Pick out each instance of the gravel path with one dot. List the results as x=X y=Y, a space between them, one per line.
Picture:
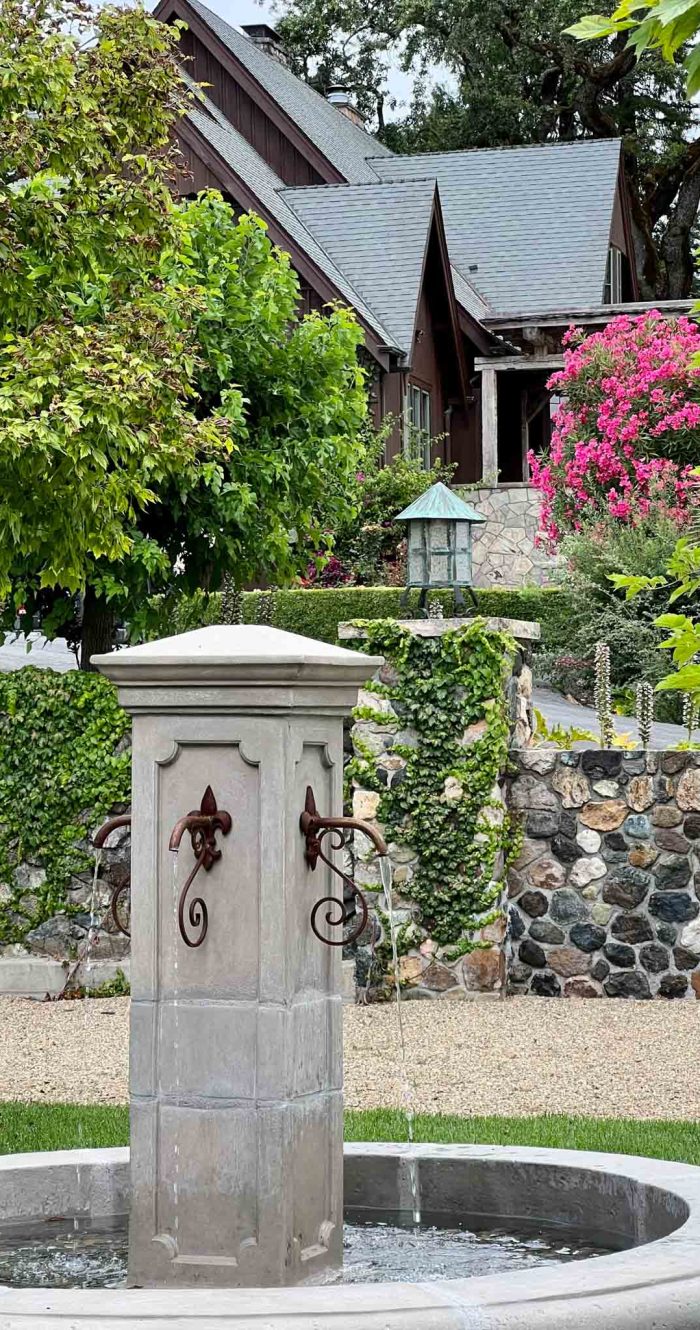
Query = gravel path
x=527 y=1055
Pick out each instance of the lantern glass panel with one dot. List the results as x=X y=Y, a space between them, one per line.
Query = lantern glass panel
x=463 y=553
x=439 y=537
x=417 y=554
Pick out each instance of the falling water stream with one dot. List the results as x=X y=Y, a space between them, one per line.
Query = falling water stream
x=387 y=877
x=176 y=1051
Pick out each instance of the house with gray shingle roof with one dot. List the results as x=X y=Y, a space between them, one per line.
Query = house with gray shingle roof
x=464 y=268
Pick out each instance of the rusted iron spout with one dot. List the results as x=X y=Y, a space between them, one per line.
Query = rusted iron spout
x=100 y=836
x=314 y=829
x=192 y=823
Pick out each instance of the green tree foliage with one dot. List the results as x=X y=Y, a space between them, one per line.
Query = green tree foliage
x=516 y=78
x=164 y=418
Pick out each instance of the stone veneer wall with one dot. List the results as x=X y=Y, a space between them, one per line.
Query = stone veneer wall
x=424 y=969
x=505 y=553
x=604 y=898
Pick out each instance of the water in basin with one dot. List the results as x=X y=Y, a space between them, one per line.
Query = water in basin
x=63 y=1256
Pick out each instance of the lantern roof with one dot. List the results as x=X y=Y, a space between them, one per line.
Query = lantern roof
x=440 y=504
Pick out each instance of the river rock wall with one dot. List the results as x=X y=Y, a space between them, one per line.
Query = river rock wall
x=604 y=896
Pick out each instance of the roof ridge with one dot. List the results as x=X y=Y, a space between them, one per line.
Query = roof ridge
x=362 y=184
x=332 y=133
x=501 y=147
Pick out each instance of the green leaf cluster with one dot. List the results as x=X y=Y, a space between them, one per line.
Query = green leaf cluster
x=64 y=765
x=165 y=417
x=445 y=684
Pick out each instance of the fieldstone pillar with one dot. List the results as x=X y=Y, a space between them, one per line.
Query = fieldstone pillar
x=236 y=1044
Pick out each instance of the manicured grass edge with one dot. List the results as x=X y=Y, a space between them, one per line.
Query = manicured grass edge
x=38 y=1126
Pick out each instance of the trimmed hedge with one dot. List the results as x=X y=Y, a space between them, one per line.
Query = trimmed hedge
x=316 y=612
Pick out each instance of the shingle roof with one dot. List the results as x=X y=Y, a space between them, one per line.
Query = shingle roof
x=536 y=220
x=269 y=190
x=378 y=235
x=344 y=144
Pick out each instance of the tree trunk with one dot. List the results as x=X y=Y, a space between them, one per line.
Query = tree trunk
x=98 y=629
x=676 y=247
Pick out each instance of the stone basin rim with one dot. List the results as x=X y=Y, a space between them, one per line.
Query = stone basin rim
x=657 y=1283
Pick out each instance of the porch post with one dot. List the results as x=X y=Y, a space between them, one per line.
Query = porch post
x=489 y=422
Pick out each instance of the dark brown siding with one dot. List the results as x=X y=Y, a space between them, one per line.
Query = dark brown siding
x=434 y=366
x=245 y=116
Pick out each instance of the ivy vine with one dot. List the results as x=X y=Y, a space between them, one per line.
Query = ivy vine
x=65 y=763
x=444 y=805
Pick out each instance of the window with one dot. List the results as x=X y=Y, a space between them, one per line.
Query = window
x=419 y=424
x=612 y=293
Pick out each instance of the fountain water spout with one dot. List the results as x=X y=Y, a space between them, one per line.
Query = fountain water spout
x=99 y=839
x=202 y=823
x=315 y=828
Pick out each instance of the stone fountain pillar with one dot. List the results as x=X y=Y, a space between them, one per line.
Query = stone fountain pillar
x=236 y=1044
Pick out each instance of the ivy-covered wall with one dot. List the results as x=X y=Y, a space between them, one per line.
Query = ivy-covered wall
x=430 y=744
x=65 y=764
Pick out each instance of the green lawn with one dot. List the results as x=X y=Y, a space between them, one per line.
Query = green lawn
x=68 y=1126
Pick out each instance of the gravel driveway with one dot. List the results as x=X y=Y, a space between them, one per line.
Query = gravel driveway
x=527 y=1055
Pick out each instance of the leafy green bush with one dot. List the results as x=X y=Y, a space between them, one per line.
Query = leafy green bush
x=62 y=769
x=596 y=612
x=317 y=611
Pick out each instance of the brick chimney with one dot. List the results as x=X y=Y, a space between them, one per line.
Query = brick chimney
x=339 y=97
x=267 y=39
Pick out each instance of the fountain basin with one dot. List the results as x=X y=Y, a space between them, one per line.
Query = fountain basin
x=649 y=1207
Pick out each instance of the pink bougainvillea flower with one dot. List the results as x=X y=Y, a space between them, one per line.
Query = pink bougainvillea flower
x=630 y=410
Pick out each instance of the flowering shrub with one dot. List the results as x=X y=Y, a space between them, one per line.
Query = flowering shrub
x=627 y=429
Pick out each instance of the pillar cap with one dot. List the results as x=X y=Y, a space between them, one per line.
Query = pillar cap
x=236 y=653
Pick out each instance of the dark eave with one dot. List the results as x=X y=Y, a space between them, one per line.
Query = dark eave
x=167 y=10
x=233 y=184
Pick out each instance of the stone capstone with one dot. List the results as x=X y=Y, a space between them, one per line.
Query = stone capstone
x=601 y=763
